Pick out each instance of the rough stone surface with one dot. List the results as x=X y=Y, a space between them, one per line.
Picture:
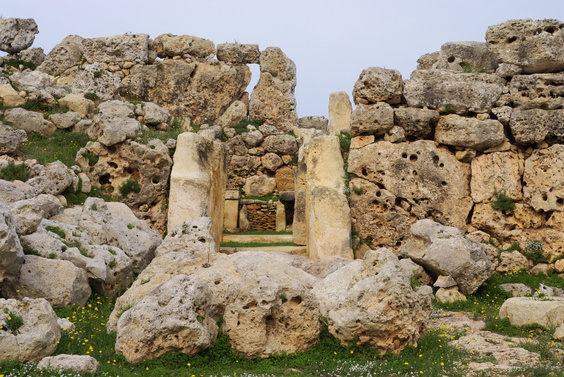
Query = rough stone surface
x=76 y=363
x=450 y=295
x=235 y=113
x=36 y=338
x=469 y=132
x=52 y=179
x=535 y=46
x=453 y=92
x=544 y=183
x=536 y=125
x=236 y=53
x=154 y=114
x=529 y=311
x=11 y=139
x=259 y=185
x=516 y=289
x=11 y=252
x=169 y=46
x=29 y=121
x=175 y=317
x=417 y=123
x=500 y=171
x=17 y=34
x=376 y=119
x=77 y=102
x=445 y=250
x=28 y=213
x=280 y=144
x=513 y=261
x=117 y=48
x=399 y=183
x=93 y=78
x=314 y=121
x=537 y=91
x=58 y=281
x=377 y=84
x=9 y=96
x=63 y=56
x=371 y=302
x=272 y=99
x=340 y=110
x=466 y=57
x=65 y=120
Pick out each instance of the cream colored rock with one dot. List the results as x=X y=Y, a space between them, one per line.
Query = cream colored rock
x=533 y=311
x=513 y=261
x=36 y=338
x=9 y=96
x=11 y=139
x=466 y=57
x=516 y=289
x=29 y=121
x=117 y=49
x=340 y=110
x=469 y=132
x=235 y=113
x=534 y=45
x=544 y=183
x=169 y=46
x=559 y=266
x=272 y=99
x=537 y=91
x=11 y=252
x=449 y=295
x=65 y=55
x=93 y=78
x=536 y=125
x=76 y=363
x=17 y=34
x=496 y=172
x=504 y=226
x=377 y=84
x=259 y=185
x=197 y=181
x=285 y=179
x=376 y=119
x=453 y=92
x=236 y=53
x=327 y=209
x=78 y=103
x=416 y=122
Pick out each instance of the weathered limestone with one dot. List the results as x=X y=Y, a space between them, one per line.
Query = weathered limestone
x=378 y=85
x=235 y=113
x=544 y=184
x=11 y=139
x=236 y=53
x=327 y=211
x=371 y=302
x=17 y=34
x=528 y=311
x=52 y=178
x=451 y=294
x=466 y=57
x=513 y=261
x=231 y=210
x=537 y=91
x=117 y=49
x=63 y=56
x=78 y=103
x=458 y=93
x=444 y=250
x=516 y=289
x=259 y=185
x=197 y=182
x=93 y=78
x=29 y=121
x=535 y=46
x=58 y=281
x=169 y=46
x=272 y=99
x=499 y=171
x=340 y=110
x=376 y=119
x=36 y=338
x=536 y=125
x=9 y=96
x=417 y=123
x=469 y=132
x=76 y=363
x=11 y=253
x=28 y=213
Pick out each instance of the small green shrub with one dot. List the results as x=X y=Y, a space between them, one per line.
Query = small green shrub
x=130 y=226
x=112 y=264
x=91 y=96
x=52 y=256
x=14 y=172
x=357 y=190
x=345 y=142
x=502 y=202
x=94 y=207
x=18 y=64
x=28 y=250
x=534 y=251
x=129 y=186
x=92 y=158
x=112 y=251
x=96 y=74
x=58 y=231
x=14 y=322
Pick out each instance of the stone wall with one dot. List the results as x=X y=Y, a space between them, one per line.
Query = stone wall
x=473 y=121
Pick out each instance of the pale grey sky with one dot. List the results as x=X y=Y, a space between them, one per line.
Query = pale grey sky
x=331 y=41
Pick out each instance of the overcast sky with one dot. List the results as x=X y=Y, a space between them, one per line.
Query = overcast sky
x=331 y=41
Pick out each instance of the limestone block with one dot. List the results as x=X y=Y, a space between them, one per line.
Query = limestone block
x=36 y=338
x=52 y=178
x=543 y=182
x=34 y=55
x=272 y=99
x=360 y=141
x=513 y=261
x=14 y=191
x=11 y=139
x=340 y=111
x=169 y=46
x=450 y=295
x=235 y=113
x=534 y=45
x=236 y=53
x=314 y=121
x=65 y=120
x=348 y=300
x=417 y=123
x=538 y=91
x=536 y=125
x=469 y=132
x=117 y=49
x=76 y=363
x=280 y=144
x=259 y=185
x=466 y=56
x=175 y=317
x=516 y=289
x=505 y=226
x=446 y=251
x=29 y=121
x=197 y=182
x=93 y=78
x=253 y=138
x=501 y=172
x=533 y=311
x=28 y=213
x=155 y=114
x=559 y=266
x=280 y=217
x=231 y=214
x=284 y=179
x=11 y=253
x=271 y=161
x=17 y=34
x=9 y=96
x=67 y=54
x=58 y=281
x=444 y=282
x=453 y=92
x=116 y=130
x=376 y=119
x=377 y=84
x=426 y=179
x=78 y=103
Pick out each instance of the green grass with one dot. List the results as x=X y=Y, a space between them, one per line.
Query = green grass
x=62 y=145
x=259 y=232
x=14 y=172
x=255 y=244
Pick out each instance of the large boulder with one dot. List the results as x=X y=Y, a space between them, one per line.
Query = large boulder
x=9 y=96
x=94 y=79
x=169 y=46
x=417 y=123
x=29 y=121
x=17 y=34
x=535 y=46
x=117 y=49
x=536 y=125
x=272 y=99
x=75 y=363
x=174 y=317
x=378 y=85
x=523 y=311
x=236 y=53
x=444 y=250
x=11 y=139
x=371 y=302
x=373 y=120
x=259 y=185
x=537 y=91
x=496 y=172
x=59 y=282
x=466 y=57
x=543 y=182
x=65 y=55
x=28 y=213
x=340 y=110
x=38 y=334
x=469 y=132
x=448 y=91
x=11 y=252
x=52 y=178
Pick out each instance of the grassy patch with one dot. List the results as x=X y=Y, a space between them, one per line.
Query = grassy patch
x=255 y=244
x=62 y=145
x=259 y=232
x=14 y=172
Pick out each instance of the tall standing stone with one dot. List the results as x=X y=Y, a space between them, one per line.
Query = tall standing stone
x=340 y=110
x=17 y=34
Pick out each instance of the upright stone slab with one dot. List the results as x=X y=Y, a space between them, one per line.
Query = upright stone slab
x=197 y=182
x=340 y=110
x=328 y=217
x=231 y=211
